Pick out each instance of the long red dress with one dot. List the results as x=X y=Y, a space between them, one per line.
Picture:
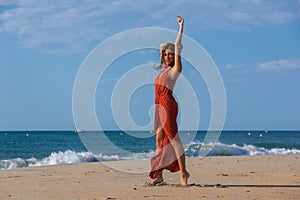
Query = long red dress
x=166 y=110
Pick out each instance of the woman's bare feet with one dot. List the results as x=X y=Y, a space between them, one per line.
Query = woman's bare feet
x=158 y=179
x=184 y=178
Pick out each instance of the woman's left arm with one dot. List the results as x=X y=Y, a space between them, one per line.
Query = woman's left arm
x=177 y=68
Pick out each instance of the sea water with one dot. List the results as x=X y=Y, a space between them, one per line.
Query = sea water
x=37 y=148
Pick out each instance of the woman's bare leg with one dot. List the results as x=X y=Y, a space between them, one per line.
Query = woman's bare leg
x=160 y=134
x=159 y=144
x=179 y=151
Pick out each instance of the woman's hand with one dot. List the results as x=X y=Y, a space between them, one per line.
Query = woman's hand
x=180 y=21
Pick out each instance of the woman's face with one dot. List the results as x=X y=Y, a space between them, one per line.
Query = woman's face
x=168 y=57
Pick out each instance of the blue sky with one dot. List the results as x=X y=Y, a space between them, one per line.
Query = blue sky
x=255 y=45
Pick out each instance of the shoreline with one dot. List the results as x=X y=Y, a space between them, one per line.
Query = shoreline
x=224 y=177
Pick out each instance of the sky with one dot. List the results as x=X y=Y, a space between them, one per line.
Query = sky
x=254 y=44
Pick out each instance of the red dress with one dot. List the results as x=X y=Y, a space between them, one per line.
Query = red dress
x=166 y=110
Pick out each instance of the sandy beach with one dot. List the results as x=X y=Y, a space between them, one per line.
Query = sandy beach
x=232 y=177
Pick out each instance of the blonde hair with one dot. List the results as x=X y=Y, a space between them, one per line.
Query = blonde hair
x=162 y=48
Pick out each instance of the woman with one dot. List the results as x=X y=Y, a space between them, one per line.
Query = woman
x=169 y=150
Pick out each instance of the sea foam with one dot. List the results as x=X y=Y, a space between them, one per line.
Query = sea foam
x=194 y=149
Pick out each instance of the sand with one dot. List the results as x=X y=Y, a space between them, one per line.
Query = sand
x=234 y=177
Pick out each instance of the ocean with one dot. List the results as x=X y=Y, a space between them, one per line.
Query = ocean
x=37 y=148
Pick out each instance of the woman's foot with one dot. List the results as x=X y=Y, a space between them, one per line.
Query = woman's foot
x=158 y=179
x=184 y=178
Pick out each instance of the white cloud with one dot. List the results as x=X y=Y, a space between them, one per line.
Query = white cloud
x=244 y=14
x=74 y=25
x=239 y=16
x=279 y=65
x=236 y=66
x=8 y=2
x=273 y=65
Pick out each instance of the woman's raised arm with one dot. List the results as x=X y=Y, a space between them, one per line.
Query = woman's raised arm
x=176 y=70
